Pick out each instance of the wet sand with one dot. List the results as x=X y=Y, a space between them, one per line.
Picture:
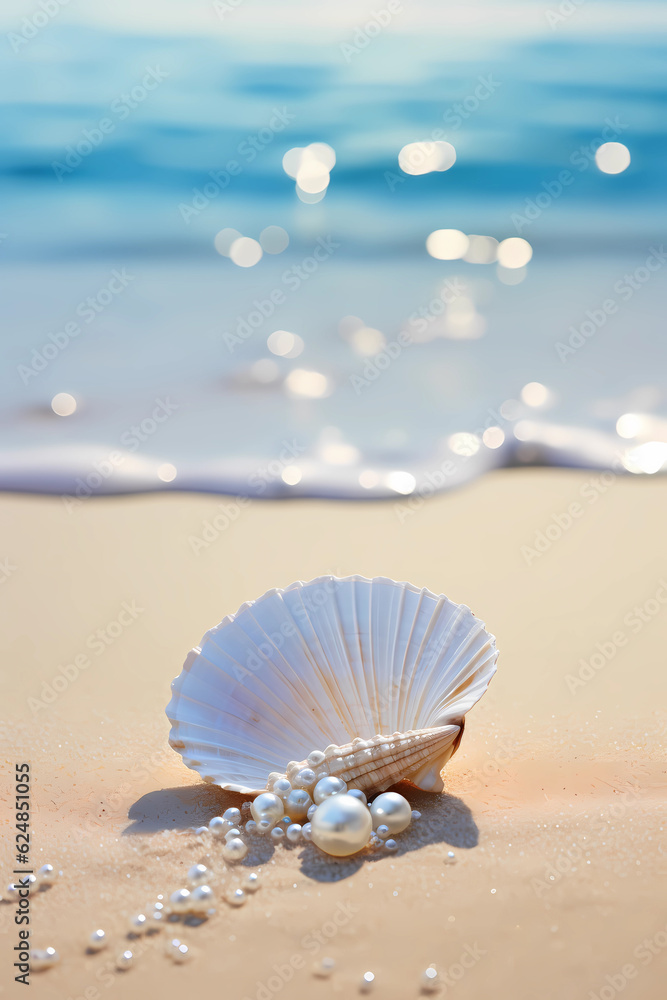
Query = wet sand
x=555 y=803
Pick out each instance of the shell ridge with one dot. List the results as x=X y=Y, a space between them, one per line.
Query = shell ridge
x=445 y=619
x=355 y=651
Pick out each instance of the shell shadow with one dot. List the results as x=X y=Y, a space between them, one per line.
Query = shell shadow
x=179 y=808
x=445 y=819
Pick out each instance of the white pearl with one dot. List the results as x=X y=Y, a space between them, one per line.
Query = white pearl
x=311 y=811
x=178 y=951
x=382 y=831
x=124 y=960
x=392 y=810
x=281 y=787
x=46 y=873
x=180 y=900
x=316 y=758
x=391 y=845
x=264 y=825
x=233 y=832
x=430 y=980
x=305 y=778
x=139 y=923
x=367 y=981
x=198 y=874
x=277 y=833
x=328 y=786
x=297 y=803
x=201 y=829
x=358 y=794
x=268 y=806
x=324 y=968
x=43 y=958
x=294 y=833
x=234 y=850
x=307 y=831
x=157 y=914
x=202 y=898
x=232 y=815
x=237 y=897
x=252 y=883
x=341 y=826
x=251 y=826
x=416 y=814
x=97 y=940
x=218 y=826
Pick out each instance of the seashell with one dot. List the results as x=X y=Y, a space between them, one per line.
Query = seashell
x=370 y=679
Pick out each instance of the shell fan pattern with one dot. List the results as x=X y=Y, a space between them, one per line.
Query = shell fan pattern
x=370 y=679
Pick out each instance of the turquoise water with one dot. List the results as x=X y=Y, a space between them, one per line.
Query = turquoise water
x=129 y=146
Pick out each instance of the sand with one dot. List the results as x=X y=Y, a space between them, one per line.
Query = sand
x=555 y=802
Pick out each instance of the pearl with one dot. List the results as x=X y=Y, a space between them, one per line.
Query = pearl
x=341 y=826
x=415 y=814
x=328 y=786
x=234 y=850
x=43 y=958
x=201 y=829
x=358 y=794
x=251 y=826
x=264 y=826
x=237 y=897
x=180 y=900
x=382 y=831
x=391 y=845
x=277 y=833
x=325 y=968
x=178 y=951
x=46 y=873
x=367 y=981
x=245 y=808
x=430 y=980
x=311 y=811
x=233 y=832
x=139 y=923
x=124 y=960
x=294 y=833
x=451 y=858
x=298 y=803
x=97 y=940
x=198 y=874
x=305 y=778
x=232 y=815
x=157 y=915
x=307 y=831
x=252 y=883
x=392 y=810
x=282 y=787
x=202 y=898
x=267 y=806
x=316 y=758
x=218 y=826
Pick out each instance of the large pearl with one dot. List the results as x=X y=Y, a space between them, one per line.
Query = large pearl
x=328 y=786
x=268 y=806
x=391 y=810
x=341 y=825
x=297 y=804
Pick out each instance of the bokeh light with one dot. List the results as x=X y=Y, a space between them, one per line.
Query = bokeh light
x=64 y=404
x=447 y=244
x=167 y=472
x=534 y=394
x=612 y=158
x=425 y=157
x=224 y=239
x=400 y=482
x=285 y=344
x=245 y=252
x=514 y=252
x=305 y=384
x=273 y=239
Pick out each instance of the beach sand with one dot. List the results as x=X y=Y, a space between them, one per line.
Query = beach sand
x=555 y=802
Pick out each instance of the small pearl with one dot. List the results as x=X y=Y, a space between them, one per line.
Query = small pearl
x=382 y=831
x=178 y=951
x=451 y=857
x=251 y=826
x=157 y=915
x=391 y=845
x=139 y=923
x=43 y=958
x=264 y=825
x=232 y=815
x=316 y=758
x=282 y=787
x=268 y=806
x=218 y=826
x=245 y=808
x=367 y=981
x=305 y=778
x=311 y=811
x=252 y=883
x=430 y=980
x=277 y=833
x=237 y=897
x=327 y=787
x=297 y=804
x=46 y=873
x=124 y=960
x=233 y=832
x=325 y=968
x=294 y=833
x=358 y=794
x=234 y=850
x=392 y=810
x=180 y=900
x=198 y=874
x=307 y=831
x=415 y=814
x=201 y=829
x=202 y=898
x=97 y=940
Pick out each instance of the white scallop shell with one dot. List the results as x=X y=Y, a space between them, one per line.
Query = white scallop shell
x=320 y=664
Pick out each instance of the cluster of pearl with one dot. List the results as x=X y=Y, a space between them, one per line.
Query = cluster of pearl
x=338 y=819
x=40 y=958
